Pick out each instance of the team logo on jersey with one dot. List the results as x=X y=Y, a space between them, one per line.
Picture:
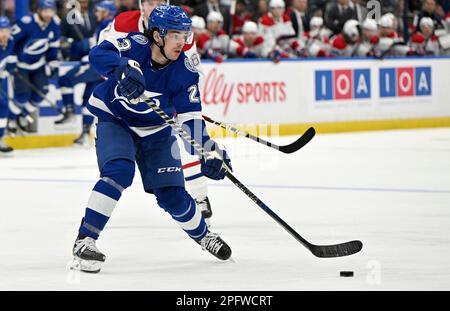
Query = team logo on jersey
x=141 y=39
x=124 y=45
x=26 y=19
x=189 y=65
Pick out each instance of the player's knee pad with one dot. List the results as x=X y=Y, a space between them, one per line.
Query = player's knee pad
x=120 y=171
x=174 y=200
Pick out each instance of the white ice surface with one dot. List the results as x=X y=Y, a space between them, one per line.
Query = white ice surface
x=389 y=189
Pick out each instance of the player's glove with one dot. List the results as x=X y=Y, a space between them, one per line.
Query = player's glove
x=215 y=167
x=51 y=69
x=131 y=79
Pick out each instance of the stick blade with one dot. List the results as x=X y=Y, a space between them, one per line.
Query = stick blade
x=338 y=250
x=299 y=143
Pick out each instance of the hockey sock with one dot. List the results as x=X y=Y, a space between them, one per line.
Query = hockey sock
x=105 y=195
x=180 y=205
x=195 y=180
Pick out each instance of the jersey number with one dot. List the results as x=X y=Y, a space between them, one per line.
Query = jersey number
x=193 y=94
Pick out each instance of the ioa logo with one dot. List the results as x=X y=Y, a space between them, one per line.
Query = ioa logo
x=405 y=81
x=169 y=170
x=356 y=83
x=342 y=84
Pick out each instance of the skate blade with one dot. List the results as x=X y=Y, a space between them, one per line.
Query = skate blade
x=9 y=154
x=89 y=266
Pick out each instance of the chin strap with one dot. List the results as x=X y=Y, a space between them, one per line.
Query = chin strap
x=161 y=48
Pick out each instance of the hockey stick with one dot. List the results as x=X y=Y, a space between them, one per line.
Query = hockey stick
x=322 y=251
x=35 y=89
x=293 y=147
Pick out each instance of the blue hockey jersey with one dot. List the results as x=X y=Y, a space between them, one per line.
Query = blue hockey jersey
x=174 y=87
x=102 y=25
x=7 y=58
x=35 y=43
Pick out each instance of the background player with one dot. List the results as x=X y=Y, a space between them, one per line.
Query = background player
x=6 y=64
x=83 y=73
x=36 y=44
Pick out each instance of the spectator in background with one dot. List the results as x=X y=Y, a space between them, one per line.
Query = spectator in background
x=240 y=17
x=360 y=10
x=428 y=10
x=205 y=7
x=300 y=17
x=318 y=7
x=338 y=14
x=261 y=10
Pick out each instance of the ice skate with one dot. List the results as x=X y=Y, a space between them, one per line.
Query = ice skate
x=68 y=115
x=5 y=149
x=87 y=257
x=214 y=244
x=83 y=140
x=205 y=208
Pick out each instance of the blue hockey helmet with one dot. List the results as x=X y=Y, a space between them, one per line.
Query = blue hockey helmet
x=169 y=17
x=107 y=6
x=4 y=22
x=47 y=4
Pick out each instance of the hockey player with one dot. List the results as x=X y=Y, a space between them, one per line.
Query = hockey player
x=276 y=24
x=215 y=43
x=83 y=73
x=36 y=44
x=137 y=21
x=7 y=62
x=425 y=42
x=318 y=38
x=250 y=43
x=369 y=38
x=129 y=132
x=346 y=43
x=390 y=43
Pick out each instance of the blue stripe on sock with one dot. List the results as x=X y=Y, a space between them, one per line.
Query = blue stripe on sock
x=107 y=190
x=198 y=233
x=193 y=177
x=95 y=220
x=188 y=214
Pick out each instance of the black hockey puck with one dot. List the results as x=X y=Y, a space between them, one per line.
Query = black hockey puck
x=346 y=273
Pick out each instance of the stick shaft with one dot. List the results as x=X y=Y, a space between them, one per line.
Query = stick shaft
x=242 y=133
x=230 y=176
